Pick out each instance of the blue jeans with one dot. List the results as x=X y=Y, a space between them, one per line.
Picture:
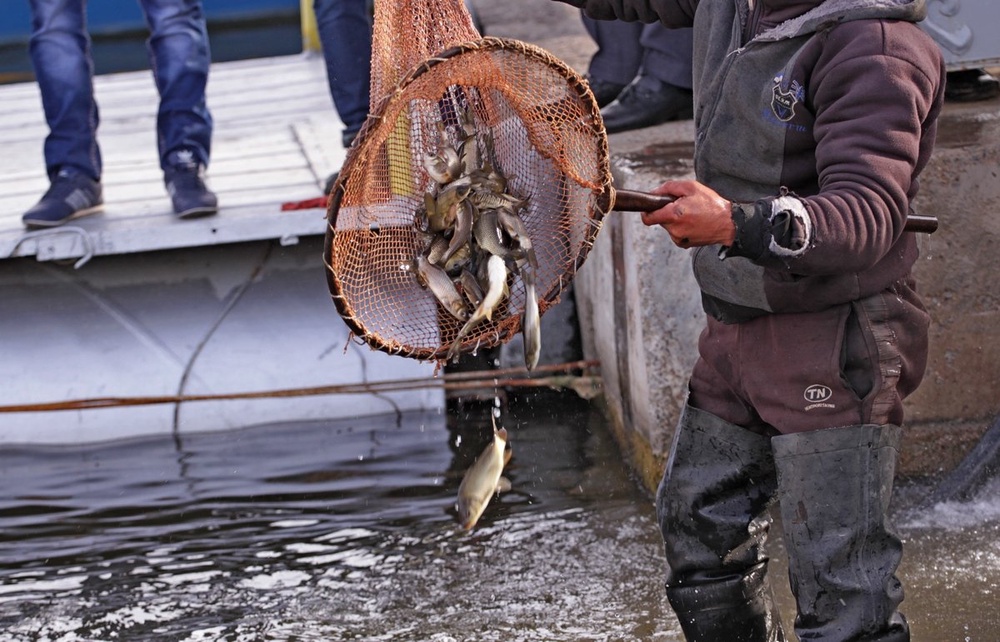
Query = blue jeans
x=345 y=32
x=178 y=54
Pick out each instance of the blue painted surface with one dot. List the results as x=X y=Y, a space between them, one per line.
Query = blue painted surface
x=107 y=16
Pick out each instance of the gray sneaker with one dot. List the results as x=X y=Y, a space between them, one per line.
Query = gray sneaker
x=71 y=195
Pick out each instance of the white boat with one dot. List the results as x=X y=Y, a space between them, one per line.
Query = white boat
x=133 y=322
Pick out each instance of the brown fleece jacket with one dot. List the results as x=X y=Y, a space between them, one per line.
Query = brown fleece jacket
x=816 y=119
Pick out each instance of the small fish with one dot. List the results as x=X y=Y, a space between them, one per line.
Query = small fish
x=470 y=288
x=463 y=230
x=468 y=152
x=441 y=286
x=459 y=260
x=435 y=251
x=445 y=166
x=496 y=271
x=492 y=200
x=489 y=235
x=512 y=224
x=531 y=322
x=467 y=119
x=487 y=179
x=484 y=479
x=446 y=206
x=429 y=212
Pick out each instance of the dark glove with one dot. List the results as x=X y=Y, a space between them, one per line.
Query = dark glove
x=753 y=230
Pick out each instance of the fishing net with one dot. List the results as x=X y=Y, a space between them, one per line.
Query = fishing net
x=438 y=86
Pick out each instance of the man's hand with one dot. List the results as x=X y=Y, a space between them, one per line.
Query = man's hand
x=699 y=216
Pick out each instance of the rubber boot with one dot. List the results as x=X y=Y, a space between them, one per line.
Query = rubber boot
x=739 y=608
x=834 y=487
x=712 y=507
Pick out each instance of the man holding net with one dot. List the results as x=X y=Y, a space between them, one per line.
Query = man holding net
x=813 y=122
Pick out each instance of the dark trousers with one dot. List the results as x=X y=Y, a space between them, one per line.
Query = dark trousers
x=345 y=33
x=849 y=365
x=626 y=49
x=179 y=56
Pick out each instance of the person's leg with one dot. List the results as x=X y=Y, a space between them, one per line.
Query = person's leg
x=834 y=487
x=60 y=54
x=667 y=55
x=832 y=383
x=661 y=91
x=180 y=58
x=617 y=59
x=711 y=505
x=345 y=33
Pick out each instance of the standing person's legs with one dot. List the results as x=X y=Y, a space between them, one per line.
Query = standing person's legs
x=662 y=90
x=617 y=59
x=60 y=54
x=345 y=32
x=180 y=57
x=667 y=54
x=832 y=383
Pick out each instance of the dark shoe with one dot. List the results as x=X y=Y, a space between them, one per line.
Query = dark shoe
x=604 y=91
x=71 y=195
x=970 y=85
x=347 y=137
x=647 y=102
x=736 y=608
x=187 y=190
x=834 y=488
x=331 y=180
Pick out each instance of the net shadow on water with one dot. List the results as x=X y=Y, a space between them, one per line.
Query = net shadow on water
x=332 y=531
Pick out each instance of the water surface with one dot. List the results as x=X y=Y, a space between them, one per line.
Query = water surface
x=347 y=531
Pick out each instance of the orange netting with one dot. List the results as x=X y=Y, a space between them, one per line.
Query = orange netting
x=538 y=150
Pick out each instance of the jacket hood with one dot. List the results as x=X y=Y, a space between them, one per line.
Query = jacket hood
x=820 y=13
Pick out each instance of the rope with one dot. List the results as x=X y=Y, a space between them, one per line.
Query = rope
x=585 y=385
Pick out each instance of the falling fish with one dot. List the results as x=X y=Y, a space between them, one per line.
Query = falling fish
x=483 y=480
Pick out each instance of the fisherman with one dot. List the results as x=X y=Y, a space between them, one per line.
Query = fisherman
x=813 y=122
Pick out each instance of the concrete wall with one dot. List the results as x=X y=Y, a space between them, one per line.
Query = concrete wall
x=956 y=275
x=640 y=313
x=638 y=305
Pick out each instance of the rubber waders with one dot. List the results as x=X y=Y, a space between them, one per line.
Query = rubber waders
x=712 y=506
x=834 y=487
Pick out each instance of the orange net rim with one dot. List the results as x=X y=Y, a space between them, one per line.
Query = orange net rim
x=603 y=198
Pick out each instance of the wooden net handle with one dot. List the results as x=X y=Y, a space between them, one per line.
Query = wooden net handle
x=629 y=201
